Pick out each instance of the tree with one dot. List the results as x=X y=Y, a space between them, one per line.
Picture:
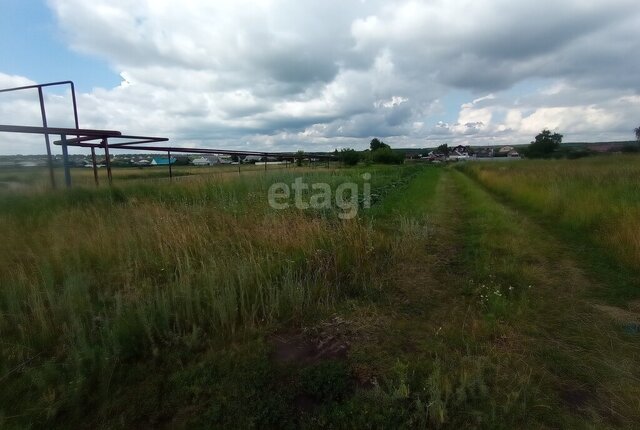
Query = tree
x=386 y=155
x=544 y=145
x=637 y=131
x=443 y=149
x=377 y=144
x=349 y=157
x=299 y=157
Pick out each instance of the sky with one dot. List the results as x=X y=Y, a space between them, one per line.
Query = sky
x=283 y=75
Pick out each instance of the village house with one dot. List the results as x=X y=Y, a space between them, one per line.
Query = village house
x=163 y=161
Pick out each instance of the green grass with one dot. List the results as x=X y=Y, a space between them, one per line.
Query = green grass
x=592 y=203
x=450 y=303
x=37 y=179
x=598 y=196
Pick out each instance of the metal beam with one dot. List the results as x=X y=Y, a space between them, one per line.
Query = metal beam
x=43 y=113
x=65 y=162
x=58 y=130
x=107 y=160
x=49 y=84
x=95 y=166
x=134 y=147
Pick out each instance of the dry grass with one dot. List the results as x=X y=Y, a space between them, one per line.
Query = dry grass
x=90 y=279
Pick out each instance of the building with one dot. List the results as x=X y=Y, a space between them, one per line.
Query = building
x=484 y=152
x=201 y=161
x=507 y=151
x=252 y=158
x=209 y=160
x=163 y=161
x=459 y=153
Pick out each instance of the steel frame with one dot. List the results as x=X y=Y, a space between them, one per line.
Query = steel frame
x=92 y=139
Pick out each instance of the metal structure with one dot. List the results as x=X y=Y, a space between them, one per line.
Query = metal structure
x=103 y=139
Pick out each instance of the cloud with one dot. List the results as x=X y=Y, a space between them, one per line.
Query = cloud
x=285 y=74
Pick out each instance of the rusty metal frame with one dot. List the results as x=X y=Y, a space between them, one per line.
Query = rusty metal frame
x=43 y=115
x=64 y=142
x=92 y=139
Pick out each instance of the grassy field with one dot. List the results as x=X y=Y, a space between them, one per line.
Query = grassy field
x=593 y=199
x=485 y=296
x=37 y=179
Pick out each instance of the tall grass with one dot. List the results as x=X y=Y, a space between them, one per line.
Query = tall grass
x=37 y=179
x=596 y=197
x=90 y=280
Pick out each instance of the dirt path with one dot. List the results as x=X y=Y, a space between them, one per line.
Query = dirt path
x=582 y=358
x=487 y=322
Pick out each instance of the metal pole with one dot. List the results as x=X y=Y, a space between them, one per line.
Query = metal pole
x=77 y=123
x=169 y=159
x=46 y=138
x=75 y=105
x=105 y=143
x=65 y=161
x=95 y=166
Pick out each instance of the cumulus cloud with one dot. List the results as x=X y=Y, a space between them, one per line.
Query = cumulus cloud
x=286 y=75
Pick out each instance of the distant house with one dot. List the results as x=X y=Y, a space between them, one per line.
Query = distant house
x=504 y=151
x=507 y=151
x=459 y=153
x=162 y=161
x=252 y=158
x=200 y=161
x=206 y=161
x=484 y=152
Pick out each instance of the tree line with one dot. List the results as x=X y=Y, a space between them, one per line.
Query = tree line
x=378 y=152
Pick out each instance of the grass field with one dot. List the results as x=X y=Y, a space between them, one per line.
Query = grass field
x=486 y=296
x=37 y=179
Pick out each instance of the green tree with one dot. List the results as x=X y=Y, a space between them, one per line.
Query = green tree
x=349 y=157
x=544 y=145
x=637 y=131
x=386 y=155
x=443 y=149
x=299 y=157
x=377 y=144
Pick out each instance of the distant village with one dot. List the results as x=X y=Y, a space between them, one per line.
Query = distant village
x=461 y=152
x=435 y=155
x=131 y=160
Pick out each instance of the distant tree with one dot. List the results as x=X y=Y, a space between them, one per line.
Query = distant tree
x=377 y=144
x=386 y=155
x=544 y=145
x=349 y=157
x=299 y=157
x=637 y=131
x=443 y=149
x=182 y=161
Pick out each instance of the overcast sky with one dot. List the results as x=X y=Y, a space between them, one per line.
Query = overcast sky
x=294 y=74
